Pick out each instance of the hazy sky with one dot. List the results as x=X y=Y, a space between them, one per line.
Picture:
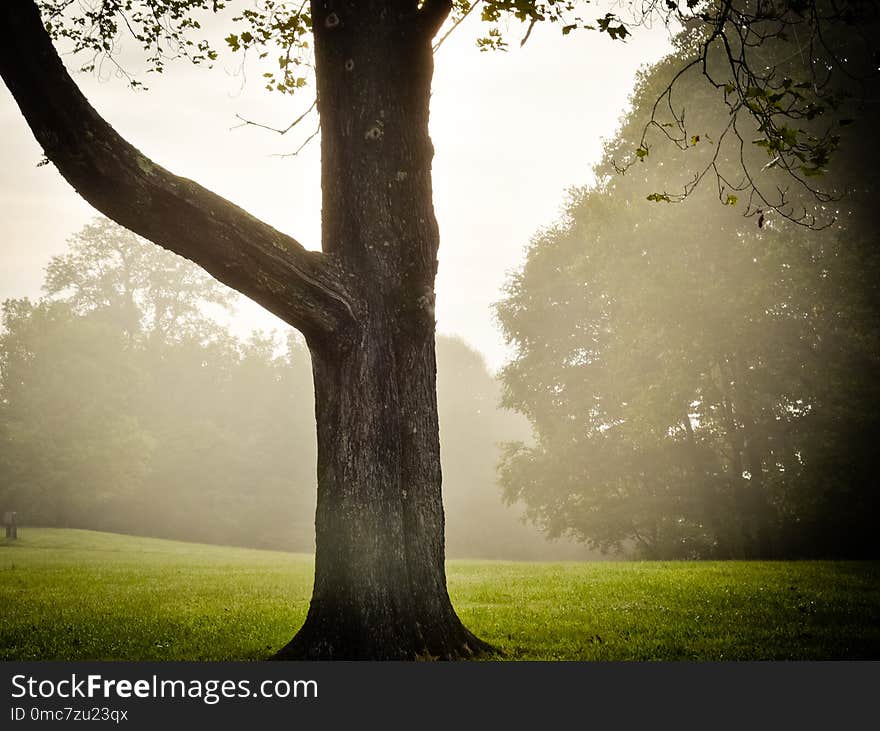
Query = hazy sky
x=512 y=132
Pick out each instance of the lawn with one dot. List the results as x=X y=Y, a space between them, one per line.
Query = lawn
x=77 y=595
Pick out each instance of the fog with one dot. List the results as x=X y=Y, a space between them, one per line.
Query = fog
x=128 y=408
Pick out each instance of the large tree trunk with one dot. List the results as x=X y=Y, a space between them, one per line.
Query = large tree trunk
x=365 y=305
x=380 y=582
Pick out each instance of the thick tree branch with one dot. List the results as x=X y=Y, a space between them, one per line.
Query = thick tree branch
x=299 y=286
x=433 y=14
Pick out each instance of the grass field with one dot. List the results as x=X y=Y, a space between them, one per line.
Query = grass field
x=76 y=595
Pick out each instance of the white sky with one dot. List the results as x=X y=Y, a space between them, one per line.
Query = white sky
x=512 y=131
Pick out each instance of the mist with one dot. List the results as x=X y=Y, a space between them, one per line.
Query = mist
x=129 y=406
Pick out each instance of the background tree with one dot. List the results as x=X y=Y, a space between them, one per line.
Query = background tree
x=109 y=271
x=64 y=375
x=114 y=419
x=365 y=304
x=701 y=384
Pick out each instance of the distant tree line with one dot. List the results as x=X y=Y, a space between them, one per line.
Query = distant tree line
x=126 y=405
x=701 y=383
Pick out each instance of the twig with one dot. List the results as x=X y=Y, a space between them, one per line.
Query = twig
x=301 y=147
x=300 y=118
x=454 y=26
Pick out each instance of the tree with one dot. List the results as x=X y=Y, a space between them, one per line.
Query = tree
x=700 y=386
x=473 y=430
x=365 y=304
x=45 y=348
x=147 y=292
x=125 y=406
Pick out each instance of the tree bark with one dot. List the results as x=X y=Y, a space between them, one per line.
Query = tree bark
x=380 y=582
x=365 y=305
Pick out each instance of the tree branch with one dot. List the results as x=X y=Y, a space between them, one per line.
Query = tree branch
x=433 y=14
x=301 y=287
x=280 y=130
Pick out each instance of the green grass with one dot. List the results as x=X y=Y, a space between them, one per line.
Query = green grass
x=76 y=595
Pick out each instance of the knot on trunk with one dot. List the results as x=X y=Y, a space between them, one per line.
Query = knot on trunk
x=375 y=132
